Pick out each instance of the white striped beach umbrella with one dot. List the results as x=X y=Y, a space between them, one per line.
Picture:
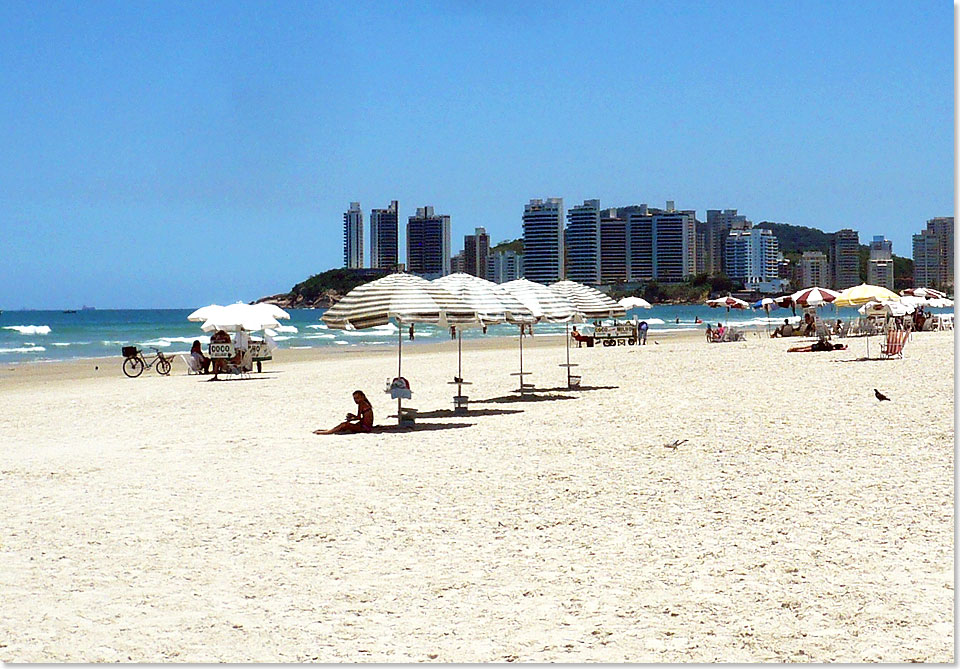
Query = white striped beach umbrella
x=545 y=304
x=929 y=293
x=491 y=303
x=589 y=302
x=814 y=297
x=403 y=297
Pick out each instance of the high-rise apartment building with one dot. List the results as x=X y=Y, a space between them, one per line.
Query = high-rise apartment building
x=583 y=243
x=505 y=265
x=880 y=264
x=640 y=244
x=384 y=237
x=476 y=248
x=428 y=244
x=661 y=245
x=703 y=246
x=457 y=263
x=719 y=224
x=814 y=270
x=353 y=237
x=751 y=257
x=845 y=258
x=543 y=250
x=933 y=254
x=613 y=248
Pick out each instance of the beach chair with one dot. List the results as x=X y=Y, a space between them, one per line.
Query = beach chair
x=893 y=346
x=734 y=334
x=193 y=367
x=244 y=367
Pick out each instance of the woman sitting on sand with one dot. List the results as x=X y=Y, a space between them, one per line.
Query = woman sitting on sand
x=203 y=362
x=362 y=421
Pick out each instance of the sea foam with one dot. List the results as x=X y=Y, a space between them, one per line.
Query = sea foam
x=24 y=349
x=29 y=329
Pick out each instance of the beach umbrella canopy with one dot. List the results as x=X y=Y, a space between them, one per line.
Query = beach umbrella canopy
x=730 y=302
x=545 y=304
x=939 y=302
x=234 y=317
x=403 y=297
x=814 y=297
x=913 y=301
x=589 y=302
x=923 y=292
x=766 y=304
x=886 y=307
x=634 y=303
x=272 y=310
x=203 y=313
x=859 y=295
x=490 y=302
x=784 y=300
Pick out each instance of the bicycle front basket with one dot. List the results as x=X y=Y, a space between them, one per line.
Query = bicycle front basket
x=130 y=351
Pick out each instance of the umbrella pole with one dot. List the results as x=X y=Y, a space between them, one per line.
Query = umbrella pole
x=399 y=366
x=459 y=354
x=566 y=329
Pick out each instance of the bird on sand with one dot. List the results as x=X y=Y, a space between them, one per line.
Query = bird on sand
x=880 y=396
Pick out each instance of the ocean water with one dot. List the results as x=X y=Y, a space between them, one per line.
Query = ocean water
x=54 y=335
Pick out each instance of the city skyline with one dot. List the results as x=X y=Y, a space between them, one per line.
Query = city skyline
x=250 y=130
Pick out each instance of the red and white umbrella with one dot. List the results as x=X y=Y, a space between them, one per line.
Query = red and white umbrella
x=814 y=297
x=730 y=302
x=923 y=292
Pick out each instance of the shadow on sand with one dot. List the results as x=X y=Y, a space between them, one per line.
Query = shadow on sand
x=564 y=388
x=419 y=427
x=470 y=413
x=520 y=397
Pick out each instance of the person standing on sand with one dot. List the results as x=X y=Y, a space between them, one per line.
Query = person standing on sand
x=411 y=332
x=362 y=421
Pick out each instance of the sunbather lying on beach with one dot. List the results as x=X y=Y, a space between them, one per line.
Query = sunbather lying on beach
x=362 y=421
x=819 y=345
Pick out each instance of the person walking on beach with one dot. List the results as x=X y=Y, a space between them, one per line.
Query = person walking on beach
x=362 y=421
x=411 y=332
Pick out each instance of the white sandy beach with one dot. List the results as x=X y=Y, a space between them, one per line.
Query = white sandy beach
x=170 y=519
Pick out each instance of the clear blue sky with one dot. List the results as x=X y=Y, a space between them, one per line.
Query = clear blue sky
x=159 y=154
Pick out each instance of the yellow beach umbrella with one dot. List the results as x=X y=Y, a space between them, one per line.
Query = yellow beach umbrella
x=860 y=295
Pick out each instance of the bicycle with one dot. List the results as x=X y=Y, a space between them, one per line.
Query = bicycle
x=134 y=363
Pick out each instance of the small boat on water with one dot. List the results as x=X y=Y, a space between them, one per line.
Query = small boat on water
x=69 y=311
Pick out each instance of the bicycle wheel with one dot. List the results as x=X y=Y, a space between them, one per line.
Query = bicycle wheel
x=133 y=367
x=163 y=367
